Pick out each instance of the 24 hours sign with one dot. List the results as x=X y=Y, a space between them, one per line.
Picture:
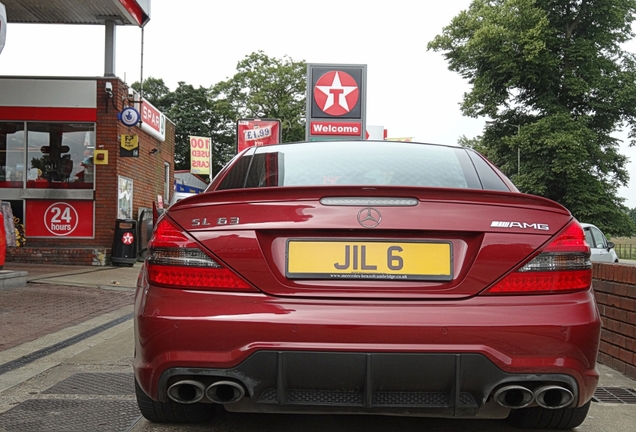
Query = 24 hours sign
x=50 y=218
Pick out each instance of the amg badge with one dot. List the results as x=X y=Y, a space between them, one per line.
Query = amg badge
x=522 y=225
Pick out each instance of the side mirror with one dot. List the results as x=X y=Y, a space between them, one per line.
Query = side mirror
x=610 y=245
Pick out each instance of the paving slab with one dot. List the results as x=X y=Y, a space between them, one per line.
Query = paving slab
x=35 y=310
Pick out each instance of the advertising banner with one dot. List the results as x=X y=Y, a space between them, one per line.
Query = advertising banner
x=257 y=132
x=200 y=155
x=336 y=102
x=50 y=218
x=124 y=198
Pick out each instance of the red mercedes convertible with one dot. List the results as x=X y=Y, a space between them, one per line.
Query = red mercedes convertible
x=366 y=277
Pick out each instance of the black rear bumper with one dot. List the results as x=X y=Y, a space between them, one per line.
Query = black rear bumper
x=441 y=385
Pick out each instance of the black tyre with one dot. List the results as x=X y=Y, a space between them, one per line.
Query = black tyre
x=541 y=418
x=172 y=412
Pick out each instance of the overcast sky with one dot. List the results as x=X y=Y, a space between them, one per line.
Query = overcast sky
x=410 y=92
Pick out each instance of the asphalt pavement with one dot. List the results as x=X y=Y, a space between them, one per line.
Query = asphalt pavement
x=66 y=343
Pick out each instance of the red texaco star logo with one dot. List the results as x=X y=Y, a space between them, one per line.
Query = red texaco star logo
x=127 y=238
x=336 y=93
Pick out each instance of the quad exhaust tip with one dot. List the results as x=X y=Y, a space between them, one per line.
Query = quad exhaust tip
x=514 y=396
x=186 y=391
x=221 y=392
x=547 y=396
x=553 y=397
x=224 y=392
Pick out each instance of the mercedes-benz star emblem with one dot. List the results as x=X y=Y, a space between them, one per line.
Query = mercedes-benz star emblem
x=369 y=217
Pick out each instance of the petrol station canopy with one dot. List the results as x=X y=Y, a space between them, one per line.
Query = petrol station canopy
x=120 y=12
x=109 y=13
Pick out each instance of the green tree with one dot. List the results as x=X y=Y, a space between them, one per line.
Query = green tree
x=265 y=87
x=193 y=115
x=192 y=110
x=552 y=76
x=632 y=215
x=156 y=92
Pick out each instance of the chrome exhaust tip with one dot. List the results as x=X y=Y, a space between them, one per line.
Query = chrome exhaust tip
x=224 y=392
x=514 y=397
x=186 y=391
x=553 y=397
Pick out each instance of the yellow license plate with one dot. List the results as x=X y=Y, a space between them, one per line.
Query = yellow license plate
x=369 y=259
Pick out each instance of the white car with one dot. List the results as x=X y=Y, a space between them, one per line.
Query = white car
x=602 y=250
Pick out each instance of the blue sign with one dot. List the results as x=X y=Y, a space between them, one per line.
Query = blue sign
x=129 y=116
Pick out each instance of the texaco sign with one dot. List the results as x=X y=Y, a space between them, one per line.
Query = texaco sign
x=336 y=101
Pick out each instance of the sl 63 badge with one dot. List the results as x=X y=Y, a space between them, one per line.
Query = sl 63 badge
x=219 y=221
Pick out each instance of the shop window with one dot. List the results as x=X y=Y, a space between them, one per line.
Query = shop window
x=60 y=155
x=12 y=145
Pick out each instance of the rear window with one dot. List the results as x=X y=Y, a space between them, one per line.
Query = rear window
x=353 y=163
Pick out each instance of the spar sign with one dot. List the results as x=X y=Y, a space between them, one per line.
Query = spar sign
x=336 y=101
x=257 y=132
x=153 y=121
x=49 y=218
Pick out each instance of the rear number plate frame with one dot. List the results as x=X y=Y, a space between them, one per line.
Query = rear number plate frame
x=369 y=259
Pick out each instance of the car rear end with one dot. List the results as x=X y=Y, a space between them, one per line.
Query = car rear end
x=305 y=291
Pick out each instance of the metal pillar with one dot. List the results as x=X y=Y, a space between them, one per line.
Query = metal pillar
x=109 y=49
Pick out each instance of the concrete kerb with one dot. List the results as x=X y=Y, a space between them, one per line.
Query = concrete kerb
x=10 y=279
x=84 y=276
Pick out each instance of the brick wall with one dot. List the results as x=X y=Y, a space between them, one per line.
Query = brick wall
x=615 y=288
x=89 y=256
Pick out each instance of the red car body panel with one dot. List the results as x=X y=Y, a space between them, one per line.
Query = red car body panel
x=179 y=328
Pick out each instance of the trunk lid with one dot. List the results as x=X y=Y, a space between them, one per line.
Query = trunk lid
x=323 y=244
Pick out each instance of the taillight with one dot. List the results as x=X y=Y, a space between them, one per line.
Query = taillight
x=176 y=261
x=563 y=266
